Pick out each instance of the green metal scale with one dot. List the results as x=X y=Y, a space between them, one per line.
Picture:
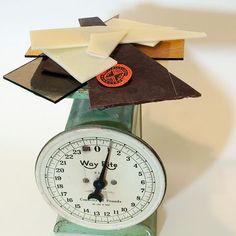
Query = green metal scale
x=99 y=175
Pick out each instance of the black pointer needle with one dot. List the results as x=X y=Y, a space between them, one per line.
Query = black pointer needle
x=101 y=182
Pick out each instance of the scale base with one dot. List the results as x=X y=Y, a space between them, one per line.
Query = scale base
x=146 y=228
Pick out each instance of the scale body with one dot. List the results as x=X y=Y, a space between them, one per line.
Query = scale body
x=126 y=119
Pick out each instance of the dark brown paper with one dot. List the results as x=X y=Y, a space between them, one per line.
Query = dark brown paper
x=150 y=82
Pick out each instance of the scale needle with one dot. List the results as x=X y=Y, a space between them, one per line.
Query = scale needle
x=101 y=182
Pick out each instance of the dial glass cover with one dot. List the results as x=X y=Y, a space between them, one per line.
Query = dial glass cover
x=70 y=163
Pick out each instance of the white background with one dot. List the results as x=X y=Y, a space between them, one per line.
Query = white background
x=195 y=138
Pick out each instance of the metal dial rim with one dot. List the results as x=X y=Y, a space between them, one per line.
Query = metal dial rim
x=66 y=133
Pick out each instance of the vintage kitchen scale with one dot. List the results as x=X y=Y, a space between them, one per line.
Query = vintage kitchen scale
x=99 y=175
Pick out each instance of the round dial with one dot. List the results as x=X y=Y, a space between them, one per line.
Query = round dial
x=100 y=178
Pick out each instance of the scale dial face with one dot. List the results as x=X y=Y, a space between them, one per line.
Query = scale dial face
x=71 y=162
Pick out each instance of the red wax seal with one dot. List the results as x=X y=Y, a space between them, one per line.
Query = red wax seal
x=116 y=76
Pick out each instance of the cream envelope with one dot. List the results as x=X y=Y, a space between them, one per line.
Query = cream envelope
x=130 y=24
x=80 y=36
x=65 y=37
x=78 y=63
x=102 y=44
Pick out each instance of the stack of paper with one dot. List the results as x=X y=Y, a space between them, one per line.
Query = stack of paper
x=84 y=51
x=70 y=57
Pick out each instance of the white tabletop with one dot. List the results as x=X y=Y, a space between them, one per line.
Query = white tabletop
x=195 y=138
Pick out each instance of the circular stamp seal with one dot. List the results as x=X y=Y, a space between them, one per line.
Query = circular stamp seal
x=116 y=76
